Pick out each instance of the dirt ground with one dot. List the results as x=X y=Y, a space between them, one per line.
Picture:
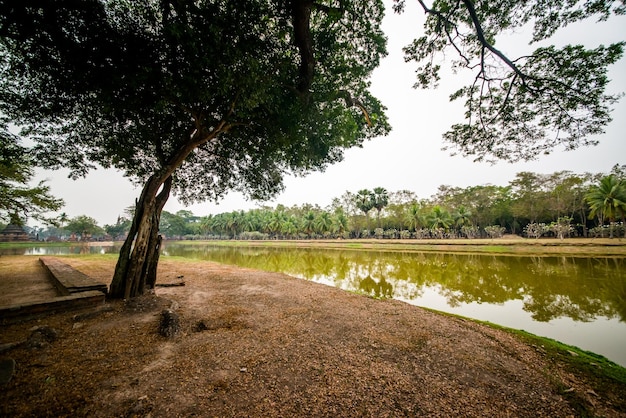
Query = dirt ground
x=257 y=344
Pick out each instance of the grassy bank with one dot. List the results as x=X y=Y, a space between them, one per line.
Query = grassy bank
x=603 y=374
x=503 y=246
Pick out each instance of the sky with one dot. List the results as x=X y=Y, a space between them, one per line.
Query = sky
x=409 y=158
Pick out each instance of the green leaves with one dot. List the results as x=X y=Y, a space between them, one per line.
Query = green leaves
x=18 y=200
x=556 y=99
x=607 y=199
x=518 y=108
x=207 y=89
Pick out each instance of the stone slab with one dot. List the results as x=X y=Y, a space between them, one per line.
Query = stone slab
x=59 y=304
x=69 y=280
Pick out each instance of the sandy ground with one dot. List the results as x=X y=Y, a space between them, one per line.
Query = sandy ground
x=257 y=344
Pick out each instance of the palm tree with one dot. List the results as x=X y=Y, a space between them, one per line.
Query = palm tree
x=439 y=218
x=233 y=224
x=462 y=217
x=340 y=222
x=380 y=199
x=607 y=200
x=365 y=202
x=288 y=227
x=414 y=218
x=323 y=223
x=206 y=224
x=275 y=223
x=63 y=219
x=248 y=221
x=308 y=223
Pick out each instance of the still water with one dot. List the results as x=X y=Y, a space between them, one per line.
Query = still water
x=580 y=301
x=577 y=300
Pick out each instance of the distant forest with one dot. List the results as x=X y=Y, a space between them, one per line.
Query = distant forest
x=561 y=204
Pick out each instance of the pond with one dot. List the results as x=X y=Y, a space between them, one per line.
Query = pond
x=580 y=301
x=577 y=300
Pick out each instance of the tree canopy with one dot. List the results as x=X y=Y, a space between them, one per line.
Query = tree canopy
x=84 y=226
x=517 y=108
x=137 y=85
x=202 y=97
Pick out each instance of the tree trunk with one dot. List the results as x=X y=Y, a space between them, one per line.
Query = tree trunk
x=137 y=263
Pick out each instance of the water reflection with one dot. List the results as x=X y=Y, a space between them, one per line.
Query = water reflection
x=61 y=249
x=577 y=300
x=75 y=249
x=550 y=287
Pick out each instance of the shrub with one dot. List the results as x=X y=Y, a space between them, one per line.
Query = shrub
x=535 y=230
x=495 y=231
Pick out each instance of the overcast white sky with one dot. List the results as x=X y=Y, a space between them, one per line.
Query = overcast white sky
x=409 y=158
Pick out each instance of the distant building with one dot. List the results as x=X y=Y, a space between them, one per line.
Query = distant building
x=14 y=233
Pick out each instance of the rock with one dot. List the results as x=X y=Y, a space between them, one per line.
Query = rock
x=42 y=337
x=7 y=368
x=170 y=324
x=200 y=326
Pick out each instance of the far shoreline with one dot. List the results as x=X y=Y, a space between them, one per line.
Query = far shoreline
x=508 y=245
x=498 y=246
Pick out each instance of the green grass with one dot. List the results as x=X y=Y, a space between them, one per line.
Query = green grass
x=607 y=379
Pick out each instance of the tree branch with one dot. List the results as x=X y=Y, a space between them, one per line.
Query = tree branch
x=469 y=4
x=301 y=19
x=351 y=101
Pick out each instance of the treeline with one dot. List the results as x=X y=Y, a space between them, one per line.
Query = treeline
x=561 y=204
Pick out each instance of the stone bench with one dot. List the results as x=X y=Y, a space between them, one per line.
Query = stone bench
x=68 y=280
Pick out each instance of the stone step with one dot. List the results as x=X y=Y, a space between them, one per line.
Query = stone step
x=69 y=280
x=78 y=300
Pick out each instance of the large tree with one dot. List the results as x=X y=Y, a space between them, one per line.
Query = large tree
x=380 y=200
x=522 y=106
x=196 y=96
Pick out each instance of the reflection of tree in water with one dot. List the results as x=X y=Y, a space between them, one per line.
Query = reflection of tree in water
x=578 y=288
x=379 y=289
x=550 y=287
x=473 y=278
x=618 y=298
